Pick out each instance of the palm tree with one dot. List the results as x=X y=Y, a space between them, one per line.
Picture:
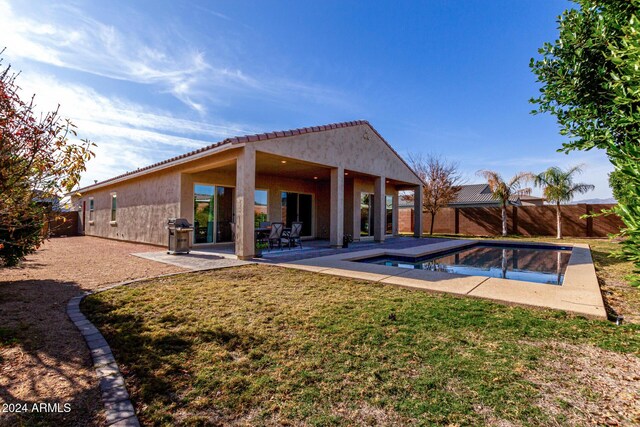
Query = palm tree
x=558 y=187
x=503 y=191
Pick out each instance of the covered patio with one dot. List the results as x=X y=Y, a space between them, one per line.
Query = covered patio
x=228 y=196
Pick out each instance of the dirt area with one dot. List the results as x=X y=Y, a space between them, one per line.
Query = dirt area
x=43 y=357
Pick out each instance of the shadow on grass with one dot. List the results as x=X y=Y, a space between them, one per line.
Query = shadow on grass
x=153 y=357
x=606 y=258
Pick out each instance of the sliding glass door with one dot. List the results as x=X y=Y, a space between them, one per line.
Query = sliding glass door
x=367 y=216
x=203 y=215
x=212 y=214
x=224 y=214
x=298 y=207
x=389 y=212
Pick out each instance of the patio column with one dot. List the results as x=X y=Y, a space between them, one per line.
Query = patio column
x=417 y=211
x=336 y=218
x=396 y=212
x=380 y=212
x=245 y=201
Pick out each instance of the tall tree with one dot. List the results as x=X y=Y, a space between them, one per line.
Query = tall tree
x=441 y=182
x=503 y=191
x=558 y=187
x=38 y=163
x=590 y=80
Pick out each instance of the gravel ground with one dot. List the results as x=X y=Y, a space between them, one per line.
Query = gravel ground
x=43 y=357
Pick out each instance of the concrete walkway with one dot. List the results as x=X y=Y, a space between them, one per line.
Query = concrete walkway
x=195 y=261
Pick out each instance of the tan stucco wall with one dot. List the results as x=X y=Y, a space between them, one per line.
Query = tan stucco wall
x=143 y=206
x=356 y=148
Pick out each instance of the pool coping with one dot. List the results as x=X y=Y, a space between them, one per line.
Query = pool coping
x=579 y=293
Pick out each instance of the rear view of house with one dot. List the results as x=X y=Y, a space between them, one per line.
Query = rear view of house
x=336 y=179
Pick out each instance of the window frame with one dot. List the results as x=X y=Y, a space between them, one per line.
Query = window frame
x=114 y=208
x=92 y=209
x=256 y=223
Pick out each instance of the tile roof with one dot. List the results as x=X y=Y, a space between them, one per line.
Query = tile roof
x=245 y=139
x=474 y=193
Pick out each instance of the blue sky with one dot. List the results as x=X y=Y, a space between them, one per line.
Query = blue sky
x=147 y=80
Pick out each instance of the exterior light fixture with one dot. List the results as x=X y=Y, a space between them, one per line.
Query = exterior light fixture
x=346 y=173
x=283 y=161
x=315 y=177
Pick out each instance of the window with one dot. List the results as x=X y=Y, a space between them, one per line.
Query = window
x=114 y=205
x=389 y=211
x=91 y=209
x=261 y=210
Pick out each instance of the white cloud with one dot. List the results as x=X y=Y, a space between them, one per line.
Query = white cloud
x=100 y=49
x=170 y=63
x=128 y=135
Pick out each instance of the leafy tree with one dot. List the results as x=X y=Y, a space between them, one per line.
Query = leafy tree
x=441 y=182
x=558 y=187
x=591 y=82
x=38 y=163
x=504 y=191
x=617 y=185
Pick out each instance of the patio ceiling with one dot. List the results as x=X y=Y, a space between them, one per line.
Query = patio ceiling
x=269 y=164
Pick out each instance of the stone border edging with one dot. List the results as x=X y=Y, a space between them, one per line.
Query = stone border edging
x=115 y=398
x=118 y=407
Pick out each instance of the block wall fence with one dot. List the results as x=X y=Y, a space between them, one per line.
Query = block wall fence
x=523 y=220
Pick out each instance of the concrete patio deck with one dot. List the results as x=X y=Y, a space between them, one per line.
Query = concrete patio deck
x=579 y=293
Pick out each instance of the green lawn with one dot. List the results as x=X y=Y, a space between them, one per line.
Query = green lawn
x=263 y=345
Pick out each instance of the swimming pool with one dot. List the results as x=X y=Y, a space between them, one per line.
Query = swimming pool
x=531 y=263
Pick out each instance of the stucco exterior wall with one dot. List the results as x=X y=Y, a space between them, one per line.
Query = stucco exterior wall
x=143 y=206
x=357 y=148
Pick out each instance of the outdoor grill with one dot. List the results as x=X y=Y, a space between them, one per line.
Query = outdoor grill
x=179 y=239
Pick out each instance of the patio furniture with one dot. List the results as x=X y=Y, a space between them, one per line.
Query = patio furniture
x=293 y=237
x=265 y=224
x=275 y=235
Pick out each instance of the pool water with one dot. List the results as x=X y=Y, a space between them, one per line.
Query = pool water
x=538 y=264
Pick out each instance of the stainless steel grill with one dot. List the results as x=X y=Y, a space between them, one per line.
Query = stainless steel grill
x=179 y=236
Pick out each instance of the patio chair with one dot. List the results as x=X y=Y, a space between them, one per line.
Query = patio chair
x=293 y=237
x=275 y=236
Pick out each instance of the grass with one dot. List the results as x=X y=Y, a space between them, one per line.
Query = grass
x=263 y=345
